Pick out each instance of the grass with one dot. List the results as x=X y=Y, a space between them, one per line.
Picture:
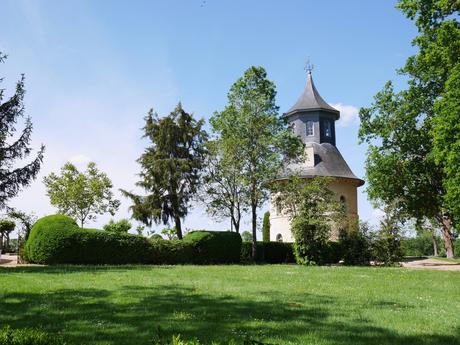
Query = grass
x=272 y=304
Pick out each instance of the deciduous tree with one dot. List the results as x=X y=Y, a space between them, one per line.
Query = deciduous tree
x=412 y=157
x=251 y=128
x=81 y=195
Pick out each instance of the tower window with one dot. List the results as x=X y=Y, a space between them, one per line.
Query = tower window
x=309 y=128
x=327 y=128
x=279 y=238
x=343 y=201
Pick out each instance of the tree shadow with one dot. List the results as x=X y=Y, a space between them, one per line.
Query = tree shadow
x=131 y=315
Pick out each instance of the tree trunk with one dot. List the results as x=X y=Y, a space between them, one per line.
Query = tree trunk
x=435 y=244
x=446 y=227
x=8 y=241
x=1 y=241
x=254 y=230
x=178 y=227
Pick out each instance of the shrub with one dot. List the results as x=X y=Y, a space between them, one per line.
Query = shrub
x=122 y=226
x=57 y=240
x=215 y=246
x=457 y=247
x=421 y=245
x=27 y=336
x=355 y=244
x=266 y=227
x=172 y=252
x=269 y=252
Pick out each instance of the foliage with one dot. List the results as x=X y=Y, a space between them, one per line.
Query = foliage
x=6 y=228
x=214 y=247
x=170 y=168
x=81 y=195
x=266 y=227
x=13 y=177
x=225 y=193
x=170 y=233
x=387 y=242
x=28 y=336
x=199 y=247
x=26 y=220
x=253 y=135
x=269 y=252
x=246 y=236
x=314 y=211
x=122 y=226
x=420 y=245
x=57 y=239
x=356 y=244
x=412 y=133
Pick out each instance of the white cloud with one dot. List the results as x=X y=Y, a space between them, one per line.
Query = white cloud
x=348 y=114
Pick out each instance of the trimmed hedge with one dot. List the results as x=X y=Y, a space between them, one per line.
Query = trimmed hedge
x=199 y=247
x=269 y=252
x=283 y=252
x=57 y=239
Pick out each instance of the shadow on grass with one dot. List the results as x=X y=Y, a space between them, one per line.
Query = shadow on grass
x=131 y=314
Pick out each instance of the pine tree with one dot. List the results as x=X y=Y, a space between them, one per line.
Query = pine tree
x=12 y=177
x=171 y=168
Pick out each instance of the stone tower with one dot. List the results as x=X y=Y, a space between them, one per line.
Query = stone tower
x=313 y=120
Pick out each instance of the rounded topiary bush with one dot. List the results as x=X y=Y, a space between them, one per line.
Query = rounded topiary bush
x=49 y=238
x=57 y=239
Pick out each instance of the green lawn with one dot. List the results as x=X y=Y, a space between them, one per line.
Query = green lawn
x=274 y=304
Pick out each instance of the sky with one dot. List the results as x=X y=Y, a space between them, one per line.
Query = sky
x=94 y=68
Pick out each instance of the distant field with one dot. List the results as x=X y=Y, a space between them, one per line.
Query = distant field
x=273 y=304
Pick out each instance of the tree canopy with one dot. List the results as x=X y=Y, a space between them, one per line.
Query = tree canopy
x=413 y=133
x=171 y=168
x=14 y=149
x=81 y=195
x=252 y=132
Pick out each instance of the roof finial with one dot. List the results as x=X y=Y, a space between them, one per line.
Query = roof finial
x=309 y=66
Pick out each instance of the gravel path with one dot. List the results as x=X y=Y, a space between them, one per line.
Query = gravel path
x=432 y=264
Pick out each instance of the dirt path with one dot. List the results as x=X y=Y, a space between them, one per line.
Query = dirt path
x=432 y=264
x=9 y=260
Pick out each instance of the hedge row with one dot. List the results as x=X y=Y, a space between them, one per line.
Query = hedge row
x=282 y=252
x=57 y=239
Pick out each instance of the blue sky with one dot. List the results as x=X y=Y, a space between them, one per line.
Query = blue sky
x=94 y=68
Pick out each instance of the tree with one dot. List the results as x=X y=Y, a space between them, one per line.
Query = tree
x=411 y=133
x=81 y=195
x=122 y=226
x=266 y=227
x=254 y=134
x=171 y=168
x=246 y=236
x=387 y=244
x=13 y=177
x=313 y=211
x=225 y=193
x=26 y=220
x=356 y=243
x=6 y=228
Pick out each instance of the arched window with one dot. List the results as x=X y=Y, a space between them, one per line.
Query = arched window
x=279 y=238
x=343 y=201
x=309 y=128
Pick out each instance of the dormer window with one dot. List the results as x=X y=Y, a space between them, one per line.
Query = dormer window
x=309 y=128
x=327 y=128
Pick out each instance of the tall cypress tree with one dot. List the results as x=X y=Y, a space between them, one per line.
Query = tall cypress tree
x=15 y=148
x=171 y=168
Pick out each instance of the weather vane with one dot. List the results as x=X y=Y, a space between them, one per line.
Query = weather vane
x=309 y=66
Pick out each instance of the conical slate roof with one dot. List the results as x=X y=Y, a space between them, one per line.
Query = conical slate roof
x=311 y=100
x=327 y=162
